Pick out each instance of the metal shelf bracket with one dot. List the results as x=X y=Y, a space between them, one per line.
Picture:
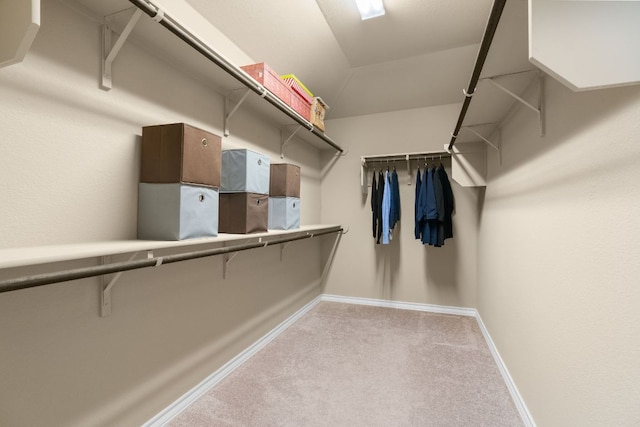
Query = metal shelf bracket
x=106 y=288
x=538 y=109
x=284 y=140
x=230 y=110
x=227 y=258
x=496 y=146
x=109 y=51
x=283 y=246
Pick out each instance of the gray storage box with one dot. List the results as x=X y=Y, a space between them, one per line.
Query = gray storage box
x=284 y=213
x=245 y=171
x=176 y=211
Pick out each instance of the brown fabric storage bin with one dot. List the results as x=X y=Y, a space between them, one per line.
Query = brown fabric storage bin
x=284 y=180
x=179 y=152
x=242 y=213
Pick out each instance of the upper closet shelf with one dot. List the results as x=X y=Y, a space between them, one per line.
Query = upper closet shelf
x=226 y=80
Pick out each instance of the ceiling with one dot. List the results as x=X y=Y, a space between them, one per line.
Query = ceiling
x=421 y=53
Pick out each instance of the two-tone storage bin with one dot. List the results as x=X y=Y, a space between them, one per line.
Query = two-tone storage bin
x=284 y=197
x=244 y=192
x=180 y=172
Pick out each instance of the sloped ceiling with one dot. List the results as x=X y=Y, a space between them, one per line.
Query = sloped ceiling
x=421 y=53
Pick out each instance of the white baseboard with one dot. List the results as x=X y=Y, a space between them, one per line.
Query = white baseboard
x=430 y=308
x=191 y=396
x=171 y=411
x=527 y=419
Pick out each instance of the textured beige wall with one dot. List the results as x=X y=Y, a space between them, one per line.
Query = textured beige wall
x=69 y=157
x=558 y=257
x=404 y=270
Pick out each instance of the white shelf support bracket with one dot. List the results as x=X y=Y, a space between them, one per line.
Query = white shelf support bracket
x=497 y=147
x=408 y=168
x=284 y=140
x=105 y=288
x=229 y=109
x=227 y=258
x=110 y=52
x=538 y=109
x=283 y=246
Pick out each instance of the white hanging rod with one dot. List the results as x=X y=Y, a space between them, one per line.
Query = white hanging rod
x=81 y=273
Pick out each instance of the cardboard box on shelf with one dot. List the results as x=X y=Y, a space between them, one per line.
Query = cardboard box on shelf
x=318 y=111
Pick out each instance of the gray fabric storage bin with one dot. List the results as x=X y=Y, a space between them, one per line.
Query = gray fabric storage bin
x=284 y=213
x=177 y=211
x=245 y=171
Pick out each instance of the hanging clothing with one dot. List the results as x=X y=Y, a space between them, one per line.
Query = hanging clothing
x=379 y=206
x=417 y=210
x=394 y=215
x=386 y=208
x=429 y=208
x=438 y=223
x=374 y=205
x=449 y=202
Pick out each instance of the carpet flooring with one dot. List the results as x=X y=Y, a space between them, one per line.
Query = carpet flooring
x=355 y=365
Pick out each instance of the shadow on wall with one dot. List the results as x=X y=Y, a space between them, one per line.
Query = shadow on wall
x=481 y=193
x=441 y=267
x=596 y=107
x=388 y=264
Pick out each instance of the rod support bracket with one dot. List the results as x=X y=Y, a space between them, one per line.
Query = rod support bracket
x=110 y=51
x=230 y=108
x=495 y=145
x=539 y=108
x=107 y=287
x=283 y=247
x=227 y=258
x=285 y=139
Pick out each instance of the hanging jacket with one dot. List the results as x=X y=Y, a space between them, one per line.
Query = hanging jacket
x=417 y=212
x=427 y=206
x=386 y=208
x=374 y=205
x=379 y=206
x=438 y=224
x=449 y=202
x=395 y=200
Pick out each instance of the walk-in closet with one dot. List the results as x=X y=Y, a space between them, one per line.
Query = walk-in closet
x=319 y=213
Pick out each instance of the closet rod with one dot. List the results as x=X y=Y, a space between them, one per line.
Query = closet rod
x=169 y=23
x=487 y=38
x=81 y=273
x=405 y=156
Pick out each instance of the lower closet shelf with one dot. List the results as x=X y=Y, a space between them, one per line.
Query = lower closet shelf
x=22 y=257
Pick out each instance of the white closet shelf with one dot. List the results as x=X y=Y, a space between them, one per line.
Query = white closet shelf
x=21 y=257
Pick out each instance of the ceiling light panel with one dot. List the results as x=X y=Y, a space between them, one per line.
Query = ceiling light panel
x=370 y=8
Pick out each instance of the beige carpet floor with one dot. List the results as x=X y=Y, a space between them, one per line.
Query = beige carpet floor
x=354 y=365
